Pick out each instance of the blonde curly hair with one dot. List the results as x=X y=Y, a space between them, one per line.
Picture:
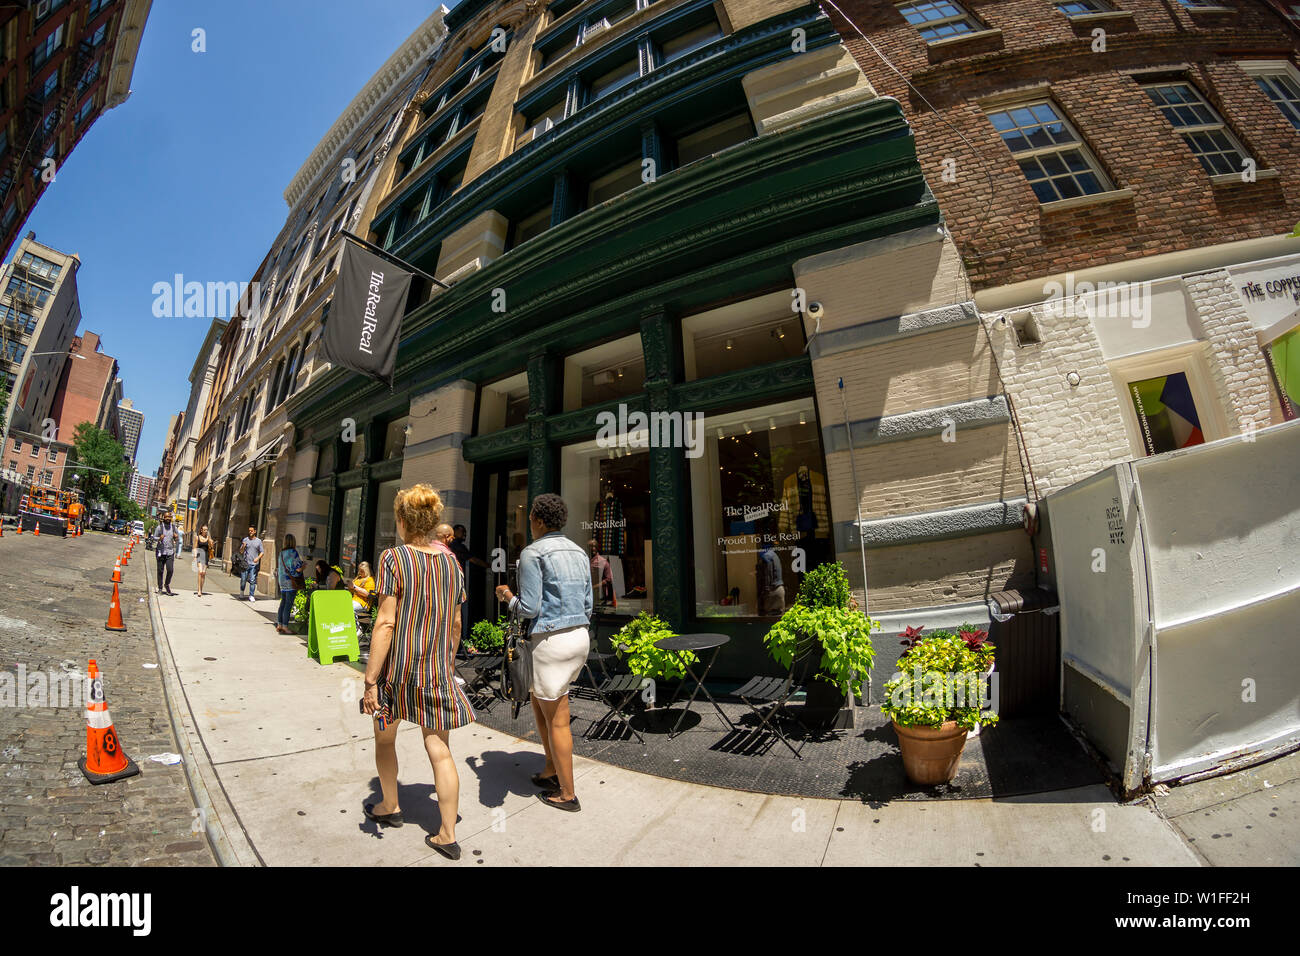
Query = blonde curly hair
x=419 y=508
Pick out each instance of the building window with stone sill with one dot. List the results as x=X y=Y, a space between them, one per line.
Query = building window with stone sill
x=1049 y=152
x=1202 y=129
x=940 y=20
x=1283 y=91
x=1083 y=8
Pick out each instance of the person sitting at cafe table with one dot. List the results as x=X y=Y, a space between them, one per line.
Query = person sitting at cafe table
x=363 y=586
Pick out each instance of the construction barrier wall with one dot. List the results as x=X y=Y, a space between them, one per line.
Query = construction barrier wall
x=1179 y=583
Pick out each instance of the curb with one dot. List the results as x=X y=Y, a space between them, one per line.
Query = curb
x=226 y=835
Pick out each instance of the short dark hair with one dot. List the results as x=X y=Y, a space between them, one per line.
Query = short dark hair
x=551 y=511
x=459 y=527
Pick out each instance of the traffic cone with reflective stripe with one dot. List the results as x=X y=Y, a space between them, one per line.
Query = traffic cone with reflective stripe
x=117 y=572
x=37 y=532
x=104 y=761
x=126 y=557
x=115 y=609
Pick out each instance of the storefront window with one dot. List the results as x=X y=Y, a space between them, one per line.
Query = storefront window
x=395 y=438
x=503 y=403
x=741 y=335
x=350 y=529
x=608 y=371
x=357 y=450
x=325 y=461
x=760 y=509
x=385 y=524
x=1166 y=413
x=607 y=491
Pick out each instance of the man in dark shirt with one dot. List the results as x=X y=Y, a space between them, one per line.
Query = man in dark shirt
x=461 y=550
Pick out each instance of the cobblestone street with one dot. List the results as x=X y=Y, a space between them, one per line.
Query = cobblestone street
x=56 y=596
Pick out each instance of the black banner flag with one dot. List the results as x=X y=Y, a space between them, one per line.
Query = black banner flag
x=365 y=318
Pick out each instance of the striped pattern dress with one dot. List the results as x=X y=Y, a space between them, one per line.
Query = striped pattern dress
x=419 y=679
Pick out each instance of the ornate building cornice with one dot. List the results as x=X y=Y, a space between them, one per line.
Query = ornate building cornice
x=397 y=70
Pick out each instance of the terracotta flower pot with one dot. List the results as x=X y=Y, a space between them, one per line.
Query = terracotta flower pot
x=931 y=755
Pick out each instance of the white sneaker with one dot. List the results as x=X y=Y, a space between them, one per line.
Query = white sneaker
x=252 y=598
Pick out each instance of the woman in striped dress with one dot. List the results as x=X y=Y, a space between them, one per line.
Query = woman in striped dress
x=411 y=672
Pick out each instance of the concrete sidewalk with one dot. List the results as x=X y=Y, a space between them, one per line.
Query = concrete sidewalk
x=293 y=761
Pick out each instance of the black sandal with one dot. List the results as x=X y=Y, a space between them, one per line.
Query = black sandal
x=450 y=850
x=393 y=819
x=546 y=783
x=570 y=806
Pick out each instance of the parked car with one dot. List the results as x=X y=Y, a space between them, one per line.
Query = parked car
x=119 y=526
x=137 y=527
x=98 y=521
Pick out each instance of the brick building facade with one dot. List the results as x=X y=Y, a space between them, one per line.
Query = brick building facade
x=1114 y=179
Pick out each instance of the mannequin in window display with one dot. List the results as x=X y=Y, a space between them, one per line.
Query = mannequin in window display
x=608 y=522
x=602 y=577
x=806 y=505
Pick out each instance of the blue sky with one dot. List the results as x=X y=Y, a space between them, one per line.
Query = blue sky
x=189 y=174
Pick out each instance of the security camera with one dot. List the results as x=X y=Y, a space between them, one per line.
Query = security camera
x=815 y=310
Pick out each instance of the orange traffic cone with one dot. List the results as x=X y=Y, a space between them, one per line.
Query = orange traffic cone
x=126 y=557
x=20 y=524
x=115 y=609
x=117 y=573
x=37 y=532
x=104 y=761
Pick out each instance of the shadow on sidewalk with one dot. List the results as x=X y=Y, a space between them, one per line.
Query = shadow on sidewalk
x=501 y=773
x=419 y=807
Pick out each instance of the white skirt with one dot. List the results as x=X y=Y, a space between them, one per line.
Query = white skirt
x=558 y=657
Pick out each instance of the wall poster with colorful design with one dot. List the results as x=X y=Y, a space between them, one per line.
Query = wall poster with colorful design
x=1166 y=413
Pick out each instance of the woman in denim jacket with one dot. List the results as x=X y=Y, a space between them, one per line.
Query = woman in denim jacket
x=555 y=591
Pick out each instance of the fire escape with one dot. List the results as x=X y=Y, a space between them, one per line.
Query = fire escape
x=33 y=132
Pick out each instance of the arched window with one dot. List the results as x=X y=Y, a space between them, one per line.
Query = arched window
x=291 y=372
x=272 y=393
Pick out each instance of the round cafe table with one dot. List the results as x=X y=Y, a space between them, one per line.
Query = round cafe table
x=697 y=643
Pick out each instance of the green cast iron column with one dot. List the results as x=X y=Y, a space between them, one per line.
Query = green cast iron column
x=543 y=390
x=667 y=505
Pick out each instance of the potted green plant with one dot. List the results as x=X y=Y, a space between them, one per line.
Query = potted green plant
x=635 y=642
x=940 y=697
x=301 y=605
x=826 y=617
x=486 y=638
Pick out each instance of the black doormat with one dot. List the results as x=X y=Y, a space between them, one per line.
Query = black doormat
x=1018 y=756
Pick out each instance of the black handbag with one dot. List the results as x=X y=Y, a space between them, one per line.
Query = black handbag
x=517 y=668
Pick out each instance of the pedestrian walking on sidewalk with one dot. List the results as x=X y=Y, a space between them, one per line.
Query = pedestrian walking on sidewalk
x=555 y=592
x=202 y=552
x=167 y=541
x=288 y=572
x=410 y=674
x=251 y=548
